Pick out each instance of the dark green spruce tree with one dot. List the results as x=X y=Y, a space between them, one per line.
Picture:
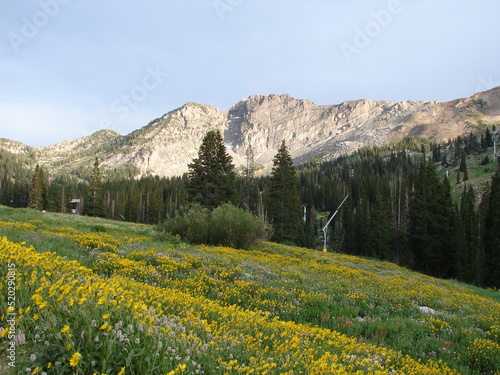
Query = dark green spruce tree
x=469 y=254
x=94 y=202
x=431 y=223
x=6 y=191
x=284 y=205
x=379 y=228
x=211 y=174
x=492 y=233
x=463 y=167
x=36 y=190
x=54 y=197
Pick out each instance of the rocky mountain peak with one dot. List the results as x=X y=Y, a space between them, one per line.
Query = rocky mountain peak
x=14 y=147
x=59 y=150
x=168 y=144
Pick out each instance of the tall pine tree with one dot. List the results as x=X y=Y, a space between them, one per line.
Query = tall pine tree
x=94 y=202
x=284 y=205
x=36 y=190
x=431 y=222
x=469 y=253
x=211 y=174
x=6 y=191
x=379 y=228
x=492 y=233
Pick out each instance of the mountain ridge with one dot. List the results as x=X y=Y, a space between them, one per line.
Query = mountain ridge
x=167 y=144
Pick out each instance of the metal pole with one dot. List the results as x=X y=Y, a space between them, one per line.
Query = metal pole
x=325 y=228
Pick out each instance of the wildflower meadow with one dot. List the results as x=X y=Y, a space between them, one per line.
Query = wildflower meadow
x=93 y=296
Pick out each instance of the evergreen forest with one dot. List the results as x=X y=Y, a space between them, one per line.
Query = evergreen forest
x=432 y=207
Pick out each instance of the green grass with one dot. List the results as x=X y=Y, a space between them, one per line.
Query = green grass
x=370 y=301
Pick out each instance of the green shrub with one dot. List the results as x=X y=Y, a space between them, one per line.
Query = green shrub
x=98 y=228
x=234 y=227
x=192 y=226
x=226 y=225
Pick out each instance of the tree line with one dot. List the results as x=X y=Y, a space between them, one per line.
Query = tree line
x=400 y=205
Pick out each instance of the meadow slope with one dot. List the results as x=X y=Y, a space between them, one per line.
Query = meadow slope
x=104 y=297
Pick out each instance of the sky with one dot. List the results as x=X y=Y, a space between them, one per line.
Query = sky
x=69 y=68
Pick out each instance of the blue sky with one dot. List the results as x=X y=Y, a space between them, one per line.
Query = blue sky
x=71 y=67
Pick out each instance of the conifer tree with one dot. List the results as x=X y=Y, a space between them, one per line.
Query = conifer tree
x=431 y=222
x=492 y=233
x=249 y=188
x=20 y=196
x=94 y=202
x=35 y=195
x=211 y=174
x=44 y=183
x=488 y=138
x=311 y=228
x=54 y=193
x=284 y=205
x=469 y=256
x=132 y=205
x=6 y=192
x=463 y=165
x=380 y=227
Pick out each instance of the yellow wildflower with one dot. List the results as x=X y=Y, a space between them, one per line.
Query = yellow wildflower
x=65 y=329
x=102 y=300
x=75 y=359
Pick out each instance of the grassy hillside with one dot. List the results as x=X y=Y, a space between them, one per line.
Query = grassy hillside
x=104 y=297
x=479 y=173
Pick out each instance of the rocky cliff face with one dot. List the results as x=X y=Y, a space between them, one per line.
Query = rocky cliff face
x=311 y=130
x=168 y=144
x=14 y=147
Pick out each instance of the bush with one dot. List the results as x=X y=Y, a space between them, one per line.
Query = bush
x=192 y=226
x=234 y=227
x=226 y=225
x=98 y=228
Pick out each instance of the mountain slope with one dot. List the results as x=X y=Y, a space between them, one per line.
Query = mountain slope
x=290 y=309
x=166 y=145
